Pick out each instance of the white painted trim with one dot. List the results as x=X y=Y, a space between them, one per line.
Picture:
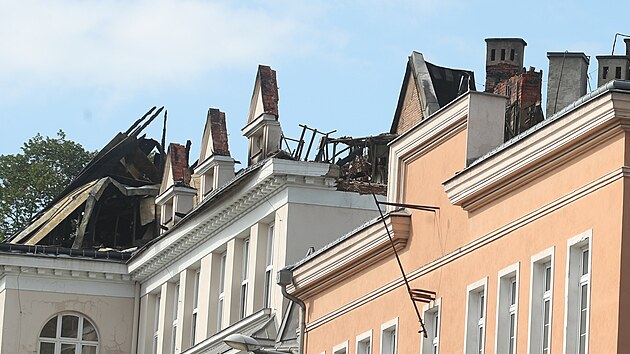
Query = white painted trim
x=541 y=258
x=173 y=191
x=430 y=309
x=476 y=287
x=512 y=271
x=583 y=239
x=481 y=241
x=358 y=251
x=361 y=338
x=514 y=162
x=386 y=327
x=341 y=346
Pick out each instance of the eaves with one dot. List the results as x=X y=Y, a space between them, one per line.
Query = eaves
x=350 y=254
x=576 y=129
x=225 y=206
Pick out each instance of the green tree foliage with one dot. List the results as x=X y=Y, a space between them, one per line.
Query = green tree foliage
x=33 y=178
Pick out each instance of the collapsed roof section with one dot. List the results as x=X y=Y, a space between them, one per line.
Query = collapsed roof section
x=363 y=161
x=111 y=203
x=425 y=89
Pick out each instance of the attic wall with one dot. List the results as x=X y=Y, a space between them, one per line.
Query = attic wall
x=411 y=113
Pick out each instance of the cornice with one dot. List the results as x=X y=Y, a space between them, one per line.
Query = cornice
x=269 y=180
x=67 y=268
x=172 y=191
x=540 y=152
x=350 y=255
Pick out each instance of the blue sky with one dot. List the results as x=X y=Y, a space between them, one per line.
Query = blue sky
x=91 y=68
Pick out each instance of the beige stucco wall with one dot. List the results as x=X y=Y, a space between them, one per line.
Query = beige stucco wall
x=26 y=312
x=435 y=237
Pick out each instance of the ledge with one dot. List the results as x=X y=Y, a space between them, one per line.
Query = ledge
x=540 y=150
x=350 y=254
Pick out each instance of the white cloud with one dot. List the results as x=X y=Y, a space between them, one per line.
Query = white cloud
x=132 y=44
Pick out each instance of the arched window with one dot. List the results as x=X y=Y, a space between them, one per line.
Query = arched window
x=68 y=333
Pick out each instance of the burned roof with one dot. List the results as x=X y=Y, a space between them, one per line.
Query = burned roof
x=110 y=204
x=436 y=86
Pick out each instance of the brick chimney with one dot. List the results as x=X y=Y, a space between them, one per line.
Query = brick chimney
x=215 y=166
x=504 y=59
x=263 y=129
x=566 y=80
x=176 y=196
x=523 y=108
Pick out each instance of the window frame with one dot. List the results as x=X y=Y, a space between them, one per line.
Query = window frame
x=386 y=328
x=431 y=344
x=362 y=338
x=476 y=314
x=175 y=316
x=221 y=295
x=508 y=281
x=195 y=307
x=341 y=348
x=537 y=298
x=574 y=280
x=156 y=324
x=59 y=340
x=268 y=277
x=244 y=279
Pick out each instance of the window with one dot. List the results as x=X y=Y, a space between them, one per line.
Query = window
x=221 y=292
x=156 y=324
x=175 y=309
x=604 y=72
x=269 y=267
x=431 y=344
x=68 y=334
x=578 y=290
x=540 y=302
x=512 y=54
x=493 y=53
x=507 y=310
x=502 y=54
x=389 y=334
x=244 y=278
x=476 y=318
x=618 y=72
x=364 y=343
x=195 y=310
x=341 y=348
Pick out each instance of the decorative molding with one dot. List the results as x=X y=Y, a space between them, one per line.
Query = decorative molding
x=601 y=182
x=519 y=164
x=350 y=255
x=421 y=139
x=266 y=182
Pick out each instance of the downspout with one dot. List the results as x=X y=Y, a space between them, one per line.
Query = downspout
x=285 y=278
x=136 y=318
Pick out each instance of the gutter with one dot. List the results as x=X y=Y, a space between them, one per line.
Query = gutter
x=285 y=278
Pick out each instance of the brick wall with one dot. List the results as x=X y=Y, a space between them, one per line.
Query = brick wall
x=218 y=129
x=179 y=163
x=269 y=89
x=499 y=72
x=524 y=97
x=411 y=112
